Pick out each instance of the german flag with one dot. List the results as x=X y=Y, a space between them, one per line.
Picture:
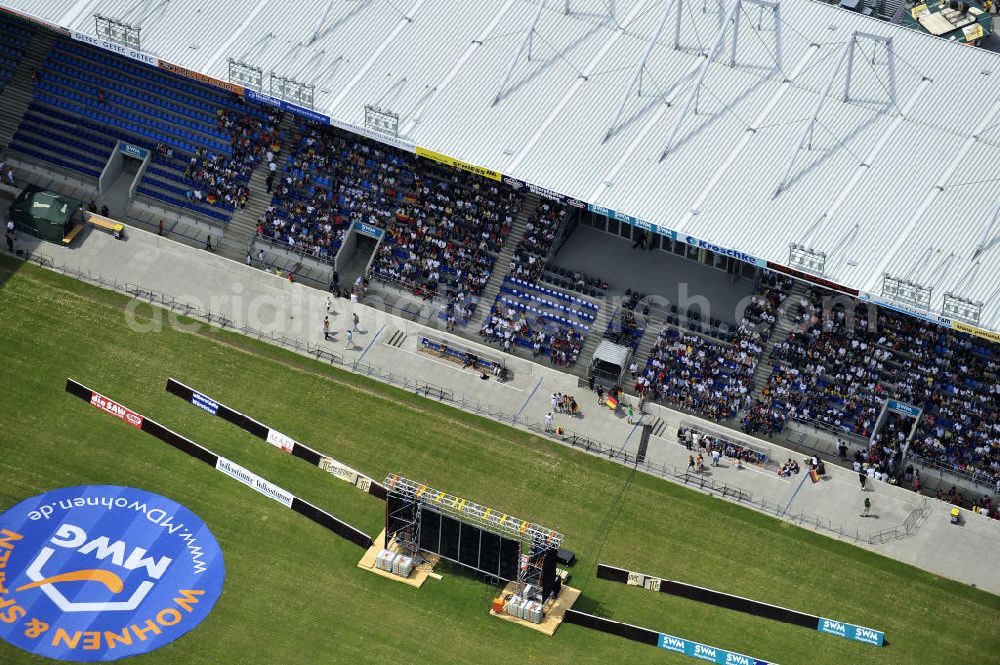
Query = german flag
x=813 y=475
x=612 y=402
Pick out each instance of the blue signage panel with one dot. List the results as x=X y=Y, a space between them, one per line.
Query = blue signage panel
x=725 y=251
x=261 y=98
x=705 y=652
x=133 y=151
x=368 y=230
x=203 y=402
x=904 y=408
x=101 y=572
x=851 y=632
x=633 y=221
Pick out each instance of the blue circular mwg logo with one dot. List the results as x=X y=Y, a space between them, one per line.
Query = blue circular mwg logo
x=101 y=572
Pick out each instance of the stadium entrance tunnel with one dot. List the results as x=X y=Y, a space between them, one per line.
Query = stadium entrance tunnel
x=357 y=253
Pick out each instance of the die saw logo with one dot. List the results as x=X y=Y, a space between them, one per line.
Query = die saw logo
x=100 y=572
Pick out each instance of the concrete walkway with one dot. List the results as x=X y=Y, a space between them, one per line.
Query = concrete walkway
x=249 y=297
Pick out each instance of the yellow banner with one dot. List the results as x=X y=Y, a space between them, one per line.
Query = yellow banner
x=458 y=164
x=978 y=332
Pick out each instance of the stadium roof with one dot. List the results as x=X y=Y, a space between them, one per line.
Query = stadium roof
x=901 y=178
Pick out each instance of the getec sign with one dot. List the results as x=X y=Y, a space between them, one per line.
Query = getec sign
x=101 y=572
x=126 y=51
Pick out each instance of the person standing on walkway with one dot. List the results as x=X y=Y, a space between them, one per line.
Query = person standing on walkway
x=356 y=321
x=868 y=508
x=600 y=395
x=249 y=259
x=329 y=304
x=629 y=412
x=715 y=456
x=548 y=421
x=326 y=328
x=863 y=478
x=350 y=341
x=10 y=240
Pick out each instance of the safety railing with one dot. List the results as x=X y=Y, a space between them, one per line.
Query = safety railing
x=578 y=441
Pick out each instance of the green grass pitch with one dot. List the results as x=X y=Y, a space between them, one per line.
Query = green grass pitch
x=293 y=593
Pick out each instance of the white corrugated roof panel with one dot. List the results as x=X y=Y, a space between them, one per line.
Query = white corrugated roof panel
x=919 y=111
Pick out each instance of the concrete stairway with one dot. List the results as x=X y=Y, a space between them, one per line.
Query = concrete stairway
x=594 y=337
x=19 y=90
x=648 y=339
x=242 y=228
x=780 y=332
x=500 y=268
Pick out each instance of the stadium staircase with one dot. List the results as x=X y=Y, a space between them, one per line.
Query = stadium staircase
x=653 y=328
x=594 y=337
x=784 y=326
x=502 y=265
x=242 y=228
x=18 y=92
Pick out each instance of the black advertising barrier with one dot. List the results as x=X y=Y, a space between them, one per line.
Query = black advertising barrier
x=225 y=466
x=708 y=596
x=664 y=641
x=277 y=439
x=626 y=630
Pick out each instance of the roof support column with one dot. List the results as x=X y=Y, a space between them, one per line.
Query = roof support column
x=806 y=133
x=709 y=57
x=525 y=43
x=637 y=77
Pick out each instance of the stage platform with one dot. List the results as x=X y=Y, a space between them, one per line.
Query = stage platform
x=420 y=572
x=554 y=610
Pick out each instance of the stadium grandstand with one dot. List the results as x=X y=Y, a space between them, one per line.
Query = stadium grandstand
x=786 y=213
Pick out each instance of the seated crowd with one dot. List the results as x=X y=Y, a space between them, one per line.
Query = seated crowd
x=442 y=225
x=838 y=370
x=511 y=328
x=530 y=254
x=224 y=180
x=828 y=371
x=713 y=378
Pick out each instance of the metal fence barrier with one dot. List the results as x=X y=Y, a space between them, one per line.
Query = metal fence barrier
x=587 y=444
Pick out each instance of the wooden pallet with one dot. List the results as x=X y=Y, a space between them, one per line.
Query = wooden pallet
x=420 y=572
x=554 y=610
